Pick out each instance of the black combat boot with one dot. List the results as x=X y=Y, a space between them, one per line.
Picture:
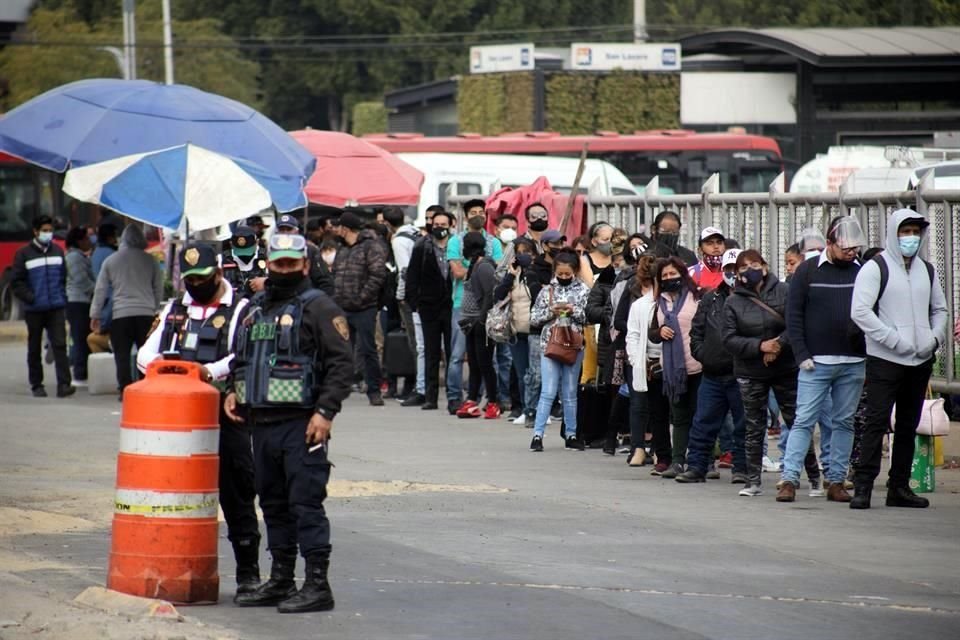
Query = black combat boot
x=278 y=588
x=861 y=496
x=905 y=497
x=315 y=594
x=247 y=554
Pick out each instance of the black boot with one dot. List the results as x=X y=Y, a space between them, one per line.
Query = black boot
x=278 y=588
x=247 y=554
x=315 y=595
x=905 y=497
x=861 y=496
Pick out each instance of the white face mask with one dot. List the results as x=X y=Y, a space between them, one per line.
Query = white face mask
x=811 y=254
x=508 y=235
x=329 y=257
x=45 y=237
x=730 y=279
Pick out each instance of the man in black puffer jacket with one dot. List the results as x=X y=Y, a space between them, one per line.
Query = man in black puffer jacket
x=719 y=392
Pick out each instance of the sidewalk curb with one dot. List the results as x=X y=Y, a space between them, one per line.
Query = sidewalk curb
x=123 y=604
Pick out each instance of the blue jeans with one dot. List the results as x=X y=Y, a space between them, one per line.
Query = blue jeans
x=726 y=434
x=520 y=350
x=503 y=361
x=531 y=381
x=458 y=352
x=715 y=399
x=845 y=383
x=565 y=378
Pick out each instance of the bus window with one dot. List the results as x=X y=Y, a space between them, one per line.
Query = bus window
x=18 y=200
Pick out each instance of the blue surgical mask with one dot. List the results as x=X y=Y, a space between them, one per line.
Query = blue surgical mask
x=909 y=245
x=811 y=254
x=93 y=238
x=45 y=237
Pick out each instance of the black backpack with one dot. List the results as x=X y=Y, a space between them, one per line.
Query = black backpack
x=885 y=276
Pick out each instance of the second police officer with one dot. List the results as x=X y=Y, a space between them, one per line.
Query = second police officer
x=198 y=326
x=293 y=370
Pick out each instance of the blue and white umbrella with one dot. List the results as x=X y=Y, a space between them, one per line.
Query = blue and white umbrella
x=183 y=183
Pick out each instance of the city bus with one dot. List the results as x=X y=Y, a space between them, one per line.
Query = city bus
x=682 y=159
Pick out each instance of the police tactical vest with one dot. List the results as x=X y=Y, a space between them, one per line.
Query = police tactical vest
x=238 y=279
x=272 y=371
x=202 y=341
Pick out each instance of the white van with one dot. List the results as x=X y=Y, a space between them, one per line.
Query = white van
x=480 y=174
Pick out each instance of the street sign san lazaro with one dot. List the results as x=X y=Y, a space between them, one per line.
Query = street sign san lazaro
x=633 y=57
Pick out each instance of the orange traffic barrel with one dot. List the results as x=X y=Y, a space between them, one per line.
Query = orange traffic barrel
x=165 y=531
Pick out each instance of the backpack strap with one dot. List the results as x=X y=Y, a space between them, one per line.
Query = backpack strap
x=885 y=276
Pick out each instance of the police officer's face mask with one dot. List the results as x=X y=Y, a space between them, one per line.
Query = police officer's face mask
x=203 y=291
x=285 y=283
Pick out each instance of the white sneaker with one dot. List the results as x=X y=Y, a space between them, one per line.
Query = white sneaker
x=769 y=466
x=520 y=420
x=549 y=419
x=749 y=492
x=816 y=490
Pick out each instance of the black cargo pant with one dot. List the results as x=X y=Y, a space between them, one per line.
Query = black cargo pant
x=292 y=485
x=888 y=383
x=54 y=323
x=755 y=393
x=237 y=489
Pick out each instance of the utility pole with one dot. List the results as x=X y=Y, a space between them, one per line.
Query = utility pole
x=129 y=40
x=639 y=20
x=167 y=44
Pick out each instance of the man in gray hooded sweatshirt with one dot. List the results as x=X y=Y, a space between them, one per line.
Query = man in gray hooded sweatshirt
x=900 y=306
x=135 y=278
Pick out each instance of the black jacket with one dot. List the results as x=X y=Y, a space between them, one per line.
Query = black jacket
x=320 y=274
x=706 y=334
x=746 y=325
x=359 y=273
x=426 y=287
x=598 y=311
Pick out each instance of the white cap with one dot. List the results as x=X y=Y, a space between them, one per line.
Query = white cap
x=709 y=232
x=730 y=257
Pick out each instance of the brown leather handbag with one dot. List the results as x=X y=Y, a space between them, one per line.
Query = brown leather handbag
x=564 y=342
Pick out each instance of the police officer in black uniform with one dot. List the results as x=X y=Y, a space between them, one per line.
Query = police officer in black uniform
x=245 y=264
x=293 y=371
x=199 y=327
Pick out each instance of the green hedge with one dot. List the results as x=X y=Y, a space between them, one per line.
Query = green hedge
x=369 y=117
x=577 y=102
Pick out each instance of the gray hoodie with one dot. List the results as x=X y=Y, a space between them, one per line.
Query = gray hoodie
x=912 y=322
x=134 y=276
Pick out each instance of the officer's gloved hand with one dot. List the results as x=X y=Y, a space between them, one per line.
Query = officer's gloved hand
x=807 y=365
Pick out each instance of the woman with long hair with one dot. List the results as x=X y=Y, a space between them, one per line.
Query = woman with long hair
x=677 y=301
x=564 y=298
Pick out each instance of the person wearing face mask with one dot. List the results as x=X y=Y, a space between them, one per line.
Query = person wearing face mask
x=476 y=216
x=666 y=238
x=600 y=255
x=320 y=275
x=428 y=292
x=199 y=326
x=811 y=243
x=900 y=306
x=564 y=297
x=831 y=353
x=293 y=370
x=522 y=286
x=39 y=279
x=719 y=392
x=244 y=264
x=677 y=304
x=707 y=274
x=755 y=334
x=134 y=281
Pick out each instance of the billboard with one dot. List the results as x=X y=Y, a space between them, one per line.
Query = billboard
x=502 y=57
x=588 y=56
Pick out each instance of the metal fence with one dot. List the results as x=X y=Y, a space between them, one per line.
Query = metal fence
x=772 y=221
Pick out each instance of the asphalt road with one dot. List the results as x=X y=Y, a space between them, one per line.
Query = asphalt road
x=448 y=528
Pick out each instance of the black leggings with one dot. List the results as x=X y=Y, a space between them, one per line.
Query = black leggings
x=480 y=355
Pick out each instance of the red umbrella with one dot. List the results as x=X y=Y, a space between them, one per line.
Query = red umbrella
x=351 y=172
x=515 y=201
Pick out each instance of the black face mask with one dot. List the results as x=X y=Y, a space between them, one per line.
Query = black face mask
x=283 y=285
x=203 y=292
x=524 y=260
x=671 y=285
x=429 y=227
x=477 y=222
x=439 y=232
x=669 y=240
x=564 y=282
x=538 y=225
x=552 y=252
